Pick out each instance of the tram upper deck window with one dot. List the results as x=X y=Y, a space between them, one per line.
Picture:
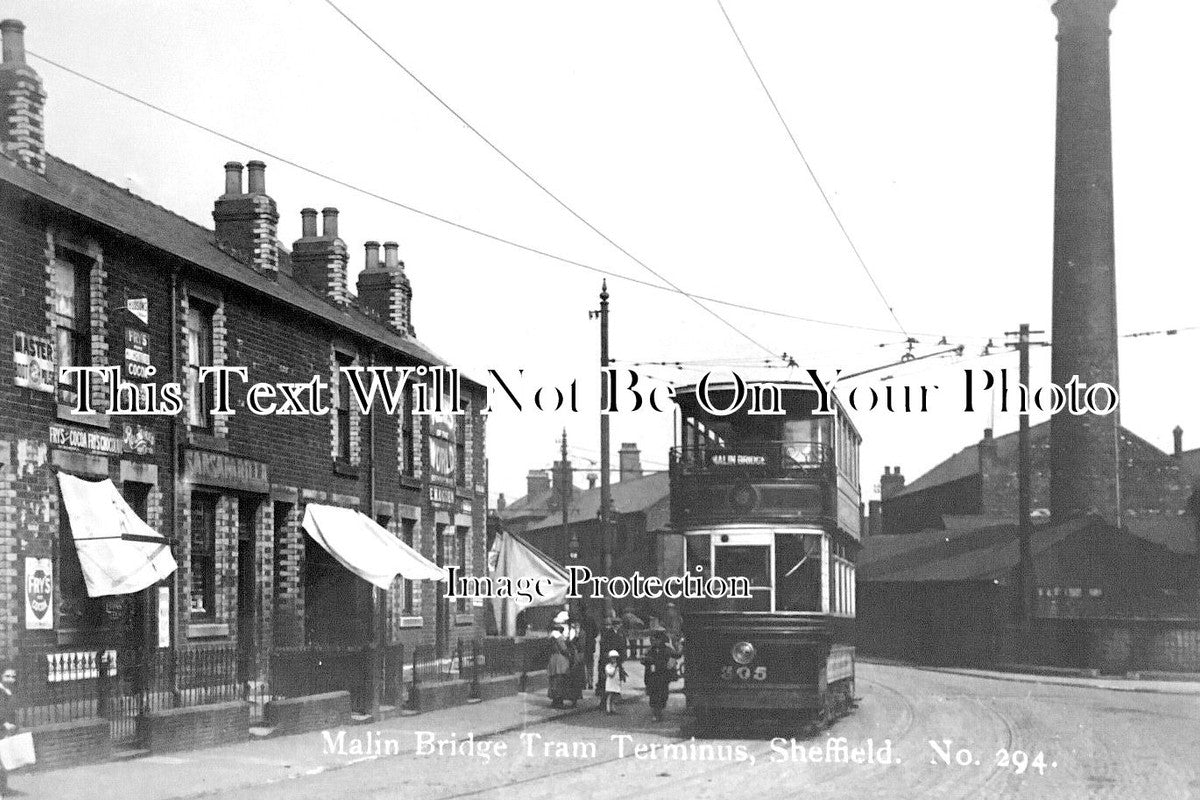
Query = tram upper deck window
x=797 y=572
x=805 y=440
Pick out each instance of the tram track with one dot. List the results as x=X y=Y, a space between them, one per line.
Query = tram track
x=756 y=754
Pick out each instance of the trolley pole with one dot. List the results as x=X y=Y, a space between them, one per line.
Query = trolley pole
x=1024 y=468
x=605 y=485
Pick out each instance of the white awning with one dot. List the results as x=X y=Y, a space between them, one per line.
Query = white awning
x=118 y=552
x=516 y=559
x=366 y=549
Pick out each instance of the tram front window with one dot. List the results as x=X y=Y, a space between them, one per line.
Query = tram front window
x=753 y=562
x=797 y=572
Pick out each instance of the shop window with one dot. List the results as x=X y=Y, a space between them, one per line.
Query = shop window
x=72 y=316
x=199 y=327
x=408 y=529
x=204 y=557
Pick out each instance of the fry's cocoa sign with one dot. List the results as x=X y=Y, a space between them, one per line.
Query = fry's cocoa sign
x=39 y=593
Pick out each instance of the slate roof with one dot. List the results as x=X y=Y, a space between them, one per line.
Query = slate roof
x=649 y=494
x=76 y=190
x=965 y=462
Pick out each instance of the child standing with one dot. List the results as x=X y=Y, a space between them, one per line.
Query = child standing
x=614 y=676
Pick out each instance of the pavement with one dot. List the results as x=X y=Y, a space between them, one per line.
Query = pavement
x=1184 y=683
x=217 y=771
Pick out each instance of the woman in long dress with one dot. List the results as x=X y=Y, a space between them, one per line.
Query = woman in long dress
x=559 y=667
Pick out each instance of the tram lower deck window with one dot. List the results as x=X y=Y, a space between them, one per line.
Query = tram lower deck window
x=797 y=572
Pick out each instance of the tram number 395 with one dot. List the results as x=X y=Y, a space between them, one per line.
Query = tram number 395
x=730 y=673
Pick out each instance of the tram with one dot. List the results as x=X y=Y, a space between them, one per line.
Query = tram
x=774 y=498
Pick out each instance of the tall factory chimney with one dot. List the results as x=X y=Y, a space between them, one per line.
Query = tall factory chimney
x=1084 y=449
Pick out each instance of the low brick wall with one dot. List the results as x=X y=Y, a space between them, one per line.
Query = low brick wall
x=66 y=744
x=195 y=727
x=308 y=713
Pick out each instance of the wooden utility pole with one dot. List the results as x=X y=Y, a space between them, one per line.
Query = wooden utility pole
x=1024 y=492
x=605 y=484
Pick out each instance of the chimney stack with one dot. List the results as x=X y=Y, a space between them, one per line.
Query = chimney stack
x=1178 y=433
x=321 y=261
x=890 y=483
x=22 y=126
x=1084 y=455
x=536 y=482
x=629 y=460
x=385 y=290
x=501 y=503
x=247 y=222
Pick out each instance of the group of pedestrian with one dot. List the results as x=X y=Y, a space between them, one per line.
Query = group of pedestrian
x=574 y=664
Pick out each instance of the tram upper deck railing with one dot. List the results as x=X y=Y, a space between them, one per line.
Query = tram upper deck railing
x=778 y=458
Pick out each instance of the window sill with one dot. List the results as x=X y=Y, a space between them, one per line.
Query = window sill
x=464 y=619
x=412 y=622
x=207 y=630
x=345 y=469
x=409 y=482
x=67 y=414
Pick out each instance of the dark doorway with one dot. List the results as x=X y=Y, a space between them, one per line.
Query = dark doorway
x=445 y=556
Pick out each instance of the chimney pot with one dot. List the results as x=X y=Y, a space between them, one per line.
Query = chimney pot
x=258 y=177
x=391 y=255
x=987 y=433
x=13 y=33
x=233 y=178
x=308 y=222
x=372 y=255
x=887 y=470
x=329 y=219
x=1178 y=433
x=895 y=470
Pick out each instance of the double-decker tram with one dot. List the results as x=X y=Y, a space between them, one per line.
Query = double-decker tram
x=773 y=498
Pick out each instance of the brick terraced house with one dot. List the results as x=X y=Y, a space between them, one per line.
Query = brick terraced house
x=92 y=275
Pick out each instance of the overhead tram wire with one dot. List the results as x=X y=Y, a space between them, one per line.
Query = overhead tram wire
x=460 y=225
x=542 y=186
x=811 y=173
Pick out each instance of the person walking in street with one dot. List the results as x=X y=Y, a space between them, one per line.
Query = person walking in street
x=612 y=639
x=577 y=671
x=658 y=672
x=559 y=666
x=614 y=676
x=8 y=716
x=590 y=629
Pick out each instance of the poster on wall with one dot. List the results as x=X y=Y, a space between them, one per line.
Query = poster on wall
x=39 y=594
x=33 y=357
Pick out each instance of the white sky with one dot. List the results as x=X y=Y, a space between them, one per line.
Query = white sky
x=930 y=124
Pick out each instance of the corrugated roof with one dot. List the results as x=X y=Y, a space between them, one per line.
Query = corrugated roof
x=980 y=554
x=79 y=191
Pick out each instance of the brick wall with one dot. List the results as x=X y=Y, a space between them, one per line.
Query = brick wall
x=191 y=728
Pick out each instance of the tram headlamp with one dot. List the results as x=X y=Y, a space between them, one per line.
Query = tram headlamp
x=742 y=652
